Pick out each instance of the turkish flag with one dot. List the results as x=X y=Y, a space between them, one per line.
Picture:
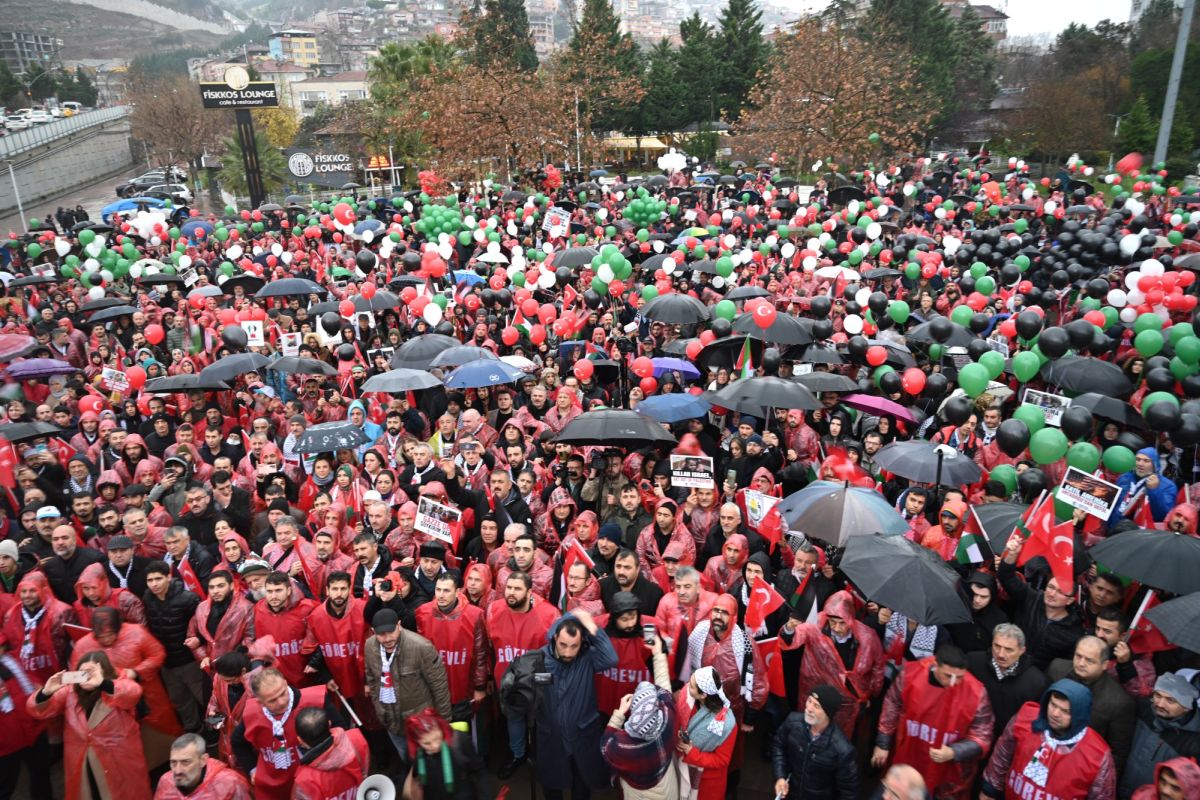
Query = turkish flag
x=8 y=464
x=763 y=601
x=1055 y=541
x=1145 y=637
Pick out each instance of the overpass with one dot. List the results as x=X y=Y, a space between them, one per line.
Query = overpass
x=51 y=159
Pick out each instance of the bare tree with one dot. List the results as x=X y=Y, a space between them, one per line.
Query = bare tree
x=169 y=117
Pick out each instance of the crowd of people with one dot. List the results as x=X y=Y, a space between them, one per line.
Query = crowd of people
x=298 y=495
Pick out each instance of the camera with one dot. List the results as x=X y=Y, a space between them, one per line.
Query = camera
x=386 y=586
x=597 y=461
x=625 y=345
x=543 y=678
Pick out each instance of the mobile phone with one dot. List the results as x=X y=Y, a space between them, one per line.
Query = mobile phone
x=684 y=737
x=731 y=476
x=74 y=676
x=649 y=631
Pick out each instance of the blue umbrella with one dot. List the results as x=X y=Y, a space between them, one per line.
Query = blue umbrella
x=685 y=368
x=482 y=372
x=189 y=228
x=373 y=225
x=597 y=173
x=672 y=408
x=131 y=204
x=468 y=277
x=834 y=512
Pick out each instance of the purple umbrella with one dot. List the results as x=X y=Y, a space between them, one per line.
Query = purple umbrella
x=39 y=368
x=685 y=368
x=878 y=406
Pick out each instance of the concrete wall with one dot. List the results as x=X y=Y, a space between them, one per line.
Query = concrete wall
x=56 y=168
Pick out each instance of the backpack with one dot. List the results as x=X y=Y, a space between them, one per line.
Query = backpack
x=518 y=692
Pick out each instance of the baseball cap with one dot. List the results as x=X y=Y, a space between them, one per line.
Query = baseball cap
x=48 y=512
x=385 y=620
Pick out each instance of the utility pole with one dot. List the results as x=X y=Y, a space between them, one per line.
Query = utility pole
x=12 y=176
x=1168 y=114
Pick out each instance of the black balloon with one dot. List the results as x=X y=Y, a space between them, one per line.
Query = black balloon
x=1160 y=380
x=346 y=352
x=1191 y=386
x=1077 y=423
x=856 y=347
x=1012 y=437
x=411 y=261
x=234 y=337
x=1029 y=324
x=1054 y=342
x=890 y=383
x=941 y=328
x=1188 y=432
x=958 y=409
x=331 y=322
x=1031 y=483
x=563 y=275
x=822 y=329
x=1080 y=333
x=878 y=303
x=365 y=259
x=976 y=348
x=721 y=327
x=820 y=306
x=936 y=385
x=1163 y=416
x=770 y=361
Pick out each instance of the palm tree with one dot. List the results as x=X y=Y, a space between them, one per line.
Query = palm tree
x=271 y=165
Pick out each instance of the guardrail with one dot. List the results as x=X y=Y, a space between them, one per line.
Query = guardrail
x=20 y=141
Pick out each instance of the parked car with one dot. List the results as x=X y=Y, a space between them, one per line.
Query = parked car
x=175 y=192
x=17 y=122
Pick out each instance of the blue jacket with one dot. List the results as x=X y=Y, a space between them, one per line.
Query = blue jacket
x=1162 y=499
x=371 y=429
x=568 y=722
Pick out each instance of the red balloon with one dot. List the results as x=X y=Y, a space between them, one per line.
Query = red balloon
x=537 y=334
x=154 y=334
x=764 y=315
x=368 y=290
x=693 y=350
x=407 y=294
x=643 y=367
x=90 y=403
x=913 y=381
x=509 y=336
x=143 y=404
x=529 y=307
x=876 y=355
x=707 y=337
x=227 y=316
x=418 y=303
x=346 y=308
x=136 y=377
x=547 y=314
x=648 y=385
x=583 y=369
x=197 y=301
x=1096 y=318
x=496 y=282
x=616 y=287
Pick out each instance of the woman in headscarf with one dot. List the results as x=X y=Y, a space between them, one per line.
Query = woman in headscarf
x=707 y=735
x=642 y=734
x=335 y=519
x=555 y=525
x=445 y=764
x=102 y=742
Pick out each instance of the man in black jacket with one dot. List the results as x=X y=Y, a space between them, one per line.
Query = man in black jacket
x=1114 y=712
x=124 y=569
x=1049 y=618
x=68 y=562
x=1007 y=675
x=169 y=608
x=627 y=577
x=500 y=499
x=812 y=758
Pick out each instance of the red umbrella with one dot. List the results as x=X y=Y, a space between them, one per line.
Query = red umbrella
x=14 y=344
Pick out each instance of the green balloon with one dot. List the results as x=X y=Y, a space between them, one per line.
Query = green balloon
x=898 y=310
x=1159 y=397
x=1188 y=350
x=599 y=287
x=1147 y=322
x=973 y=379
x=1033 y=417
x=87 y=236
x=34 y=250
x=978 y=270
x=993 y=362
x=1118 y=459
x=985 y=285
x=1007 y=475
x=1048 y=445
x=912 y=271
x=880 y=371
x=1025 y=365
x=725 y=310
x=1084 y=456
x=441 y=300
x=936 y=351
x=1148 y=342
x=962 y=315
x=1021 y=261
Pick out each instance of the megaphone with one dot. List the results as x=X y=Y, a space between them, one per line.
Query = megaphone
x=376 y=787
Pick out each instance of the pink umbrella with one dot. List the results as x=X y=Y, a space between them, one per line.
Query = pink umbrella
x=878 y=406
x=14 y=344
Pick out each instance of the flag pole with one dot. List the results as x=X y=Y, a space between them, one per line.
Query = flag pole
x=1138 y=616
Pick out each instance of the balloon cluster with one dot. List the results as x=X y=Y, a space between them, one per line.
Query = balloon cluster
x=611 y=269
x=439 y=218
x=644 y=210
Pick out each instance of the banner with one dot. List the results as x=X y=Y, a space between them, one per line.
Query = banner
x=436 y=519
x=555 y=222
x=114 y=380
x=694 y=472
x=757 y=506
x=1052 y=405
x=1088 y=493
x=255 y=336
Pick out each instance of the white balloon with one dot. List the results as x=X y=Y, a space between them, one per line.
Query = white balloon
x=480 y=235
x=62 y=246
x=135 y=271
x=874 y=230
x=151 y=270
x=445 y=250
x=1152 y=267
x=443 y=237
x=605 y=273
x=155 y=241
x=1135 y=297
x=1130 y=243
x=788 y=250
x=729 y=241
x=862 y=295
x=277 y=248
x=1117 y=298
x=493 y=247
x=185 y=261
x=602 y=213
x=96 y=292
x=852 y=324
x=809 y=263
x=657 y=246
x=517 y=263
x=368 y=236
x=430 y=247
x=1128 y=314
x=1131 y=279
x=408 y=206
x=106 y=275
x=852 y=207
x=690 y=215
x=546 y=280
x=548 y=247
x=718 y=282
x=772 y=240
x=287 y=256
x=669 y=266
x=909 y=190
x=432 y=313
x=1049 y=207
x=94 y=249
x=939 y=212
x=511 y=228
x=257 y=251
x=1027 y=193
x=234 y=252
x=1135 y=206
x=469 y=221
x=91 y=265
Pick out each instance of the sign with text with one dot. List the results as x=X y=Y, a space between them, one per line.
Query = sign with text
x=323 y=169
x=694 y=472
x=255 y=94
x=437 y=520
x=1088 y=493
x=114 y=380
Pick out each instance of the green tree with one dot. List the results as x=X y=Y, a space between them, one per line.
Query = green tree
x=698 y=67
x=659 y=109
x=393 y=71
x=9 y=85
x=501 y=33
x=78 y=87
x=1157 y=27
x=743 y=54
x=270 y=163
x=604 y=65
x=38 y=83
x=1138 y=130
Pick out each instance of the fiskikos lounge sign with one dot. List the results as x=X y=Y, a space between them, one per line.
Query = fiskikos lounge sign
x=323 y=169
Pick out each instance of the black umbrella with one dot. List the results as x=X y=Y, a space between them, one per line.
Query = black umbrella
x=106 y=314
x=184 y=383
x=998 y=521
x=419 y=352
x=33 y=280
x=1162 y=559
x=785 y=183
x=295 y=365
x=605 y=370
x=905 y=577
x=785 y=330
x=724 y=353
x=161 y=279
x=705 y=265
x=249 y=282
x=575 y=257
x=1075 y=185
x=101 y=304
x=513 y=196
x=826 y=382
x=926 y=462
x=607 y=427
x=1110 y=408
x=1085 y=374
x=752 y=395
x=656 y=180
x=878 y=273
x=834 y=512
x=231 y=366
x=747 y=293
x=401 y=380
x=380 y=301
x=923 y=333
x=820 y=354
x=675 y=308
x=462 y=354
x=24 y=431
x=289 y=287
x=1179 y=621
x=330 y=436
x=844 y=194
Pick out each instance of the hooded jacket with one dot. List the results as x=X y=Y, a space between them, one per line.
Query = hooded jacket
x=372 y=430
x=649 y=552
x=94 y=577
x=1162 y=497
x=1113 y=710
x=1156 y=740
x=331 y=769
x=941 y=541
x=1186 y=773
x=50 y=640
x=718 y=574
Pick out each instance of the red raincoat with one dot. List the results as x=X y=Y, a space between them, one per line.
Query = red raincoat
x=125 y=601
x=340 y=640
x=138 y=650
x=335 y=773
x=288 y=628
x=234 y=629
x=48 y=642
x=221 y=782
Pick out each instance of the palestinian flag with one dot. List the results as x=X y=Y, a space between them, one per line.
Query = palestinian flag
x=519 y=322
x=971 y=548
x=745 y=365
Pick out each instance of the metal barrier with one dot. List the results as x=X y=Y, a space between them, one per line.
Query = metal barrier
x=38 y=135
